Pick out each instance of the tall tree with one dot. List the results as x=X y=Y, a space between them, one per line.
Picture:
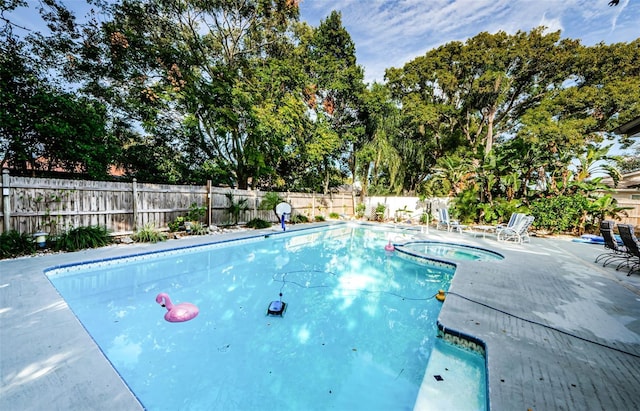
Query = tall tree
x=379 y=163
x=42 y=126
x=334 y=93
x=193 y=74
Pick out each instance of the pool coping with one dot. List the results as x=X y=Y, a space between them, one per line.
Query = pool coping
x=47 y=360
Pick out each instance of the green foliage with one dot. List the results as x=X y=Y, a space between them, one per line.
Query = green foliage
x=502 y=210
x=148 y=234
x=197 y=228
x=45 y=122
x=334 y=91
x=360 y=209
x=258 y=223
x=380 y=210
x=269 y=202
x=629 y=164
x=14 y=244
x=466 y=207
x=176 y=224
x=319 y=218
x=235 y=207
x=603 y=207
x=560 y=214
x=194 y=216
x=334 y=215
x=486 y=119
x=498 y=212
x=384 y=159
x=81 y=238
x=230 y=109
x=195 y=213
x=299 y=218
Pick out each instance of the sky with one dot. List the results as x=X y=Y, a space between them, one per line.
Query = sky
x=390 y=33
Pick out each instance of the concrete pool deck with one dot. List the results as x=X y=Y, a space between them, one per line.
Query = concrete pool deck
x=561 y=332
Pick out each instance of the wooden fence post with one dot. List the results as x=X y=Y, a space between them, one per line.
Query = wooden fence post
x=6 y=203
x=353 y=202
x=209 y=200
x=134 y=189
x=255 y=202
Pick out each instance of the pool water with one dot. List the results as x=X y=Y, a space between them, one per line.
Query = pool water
x=452 y=369
x=357 y=334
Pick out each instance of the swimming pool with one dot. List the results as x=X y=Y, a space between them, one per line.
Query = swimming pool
x=358 y=332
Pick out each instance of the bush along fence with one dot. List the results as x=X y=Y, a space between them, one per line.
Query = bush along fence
x=51 y=206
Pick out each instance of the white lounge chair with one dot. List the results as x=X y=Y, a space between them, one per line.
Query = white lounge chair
x=445 y=221
x=513 y=220
x=519 y=233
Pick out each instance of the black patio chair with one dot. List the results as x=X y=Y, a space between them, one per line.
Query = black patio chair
x=633 y=247
x=614 y=251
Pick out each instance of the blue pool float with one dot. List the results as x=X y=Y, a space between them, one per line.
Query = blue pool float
x=594 y=239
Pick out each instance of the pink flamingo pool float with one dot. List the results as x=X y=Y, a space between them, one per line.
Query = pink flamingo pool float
x=389 y=247
x=179 y=312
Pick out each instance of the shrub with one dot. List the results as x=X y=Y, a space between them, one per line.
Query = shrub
x=148 y=234
x=195 y=213
x=360 y=209
x=319 y=218
x=503 y=209
x=466 y=207
x=270 y=201
x=13 y=244
x=299 y=218
x=235 y=207
x=80 y=238
x=258 y=223
x=197 y=228
x=559 y=214
x=176 y=224
x=334 y=215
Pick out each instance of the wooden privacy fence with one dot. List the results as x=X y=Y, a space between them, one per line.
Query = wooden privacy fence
x=53 y=205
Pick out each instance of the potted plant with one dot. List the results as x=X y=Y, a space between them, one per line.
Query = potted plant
x=380 y=210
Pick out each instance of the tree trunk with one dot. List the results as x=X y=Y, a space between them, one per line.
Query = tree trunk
x=325 y=185
x=488 y=144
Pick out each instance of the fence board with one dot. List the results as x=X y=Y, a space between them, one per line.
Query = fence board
x=54 y=205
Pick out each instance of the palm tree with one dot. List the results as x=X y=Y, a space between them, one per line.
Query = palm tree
x=594 y=160
x=235 y=207
x=454 y=170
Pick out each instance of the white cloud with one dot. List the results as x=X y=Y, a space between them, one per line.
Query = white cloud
x=391 y=33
